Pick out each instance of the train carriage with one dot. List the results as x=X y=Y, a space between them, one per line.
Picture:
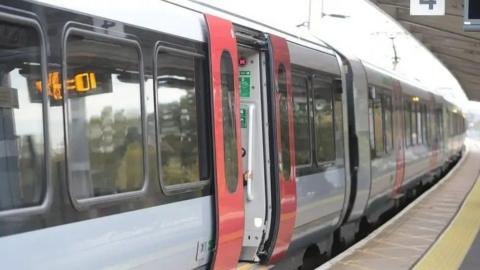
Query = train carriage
x=185 y=137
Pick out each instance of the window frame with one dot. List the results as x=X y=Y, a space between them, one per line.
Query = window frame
x=28 y=20
x=171 y=190
x=119 y=39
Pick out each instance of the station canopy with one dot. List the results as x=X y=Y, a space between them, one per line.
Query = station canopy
x=444 y=36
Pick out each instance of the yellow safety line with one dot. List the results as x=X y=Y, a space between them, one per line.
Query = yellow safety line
x=451 y=248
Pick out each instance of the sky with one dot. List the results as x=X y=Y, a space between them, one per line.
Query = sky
x=366 y=32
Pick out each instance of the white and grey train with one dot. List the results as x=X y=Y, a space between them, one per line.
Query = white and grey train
x=156 y=136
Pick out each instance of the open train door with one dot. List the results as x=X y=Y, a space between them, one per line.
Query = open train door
x=226 y=132
x=284 y=184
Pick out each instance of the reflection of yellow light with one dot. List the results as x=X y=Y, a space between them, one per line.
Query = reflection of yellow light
x=415 y=99
x=455 y=110
x=82 y=82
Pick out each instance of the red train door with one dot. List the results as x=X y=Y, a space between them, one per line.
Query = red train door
x=399 y=129
x=227 y=155
x=285 y=147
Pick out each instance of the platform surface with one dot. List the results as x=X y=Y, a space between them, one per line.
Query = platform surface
x=439 y=230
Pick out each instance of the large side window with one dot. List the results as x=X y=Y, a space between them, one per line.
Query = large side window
x=323 y=119
x=229 y=127
x=22 y=181
x=105 y=145
x=301 y=120
x=179 y=92
x=284 y=130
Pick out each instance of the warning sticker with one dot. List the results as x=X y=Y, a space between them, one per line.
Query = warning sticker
x=243 y=117
x=244 y=79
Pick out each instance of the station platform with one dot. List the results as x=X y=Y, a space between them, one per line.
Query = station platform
x=439 y=230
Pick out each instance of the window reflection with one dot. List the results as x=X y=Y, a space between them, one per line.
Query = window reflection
x=300 y=113
x=21 y=121
x=284 y=128
x=323 y=120
x=104 y=128
x=229 y=127
x=177 y=112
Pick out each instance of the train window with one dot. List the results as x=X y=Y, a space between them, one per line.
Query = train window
x=284 y=130
x=378 y=126
x=414 y=123
x=179 y=135
x=388 y=121
x=105 y=145
x=323 y=119
x=22 y=182
x=229 y=126
x=408 y=123
x=301 y=119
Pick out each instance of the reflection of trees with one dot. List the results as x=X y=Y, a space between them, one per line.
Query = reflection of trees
x=179 y=142
x=302 y=138
x=115 y=152
x=325 y=139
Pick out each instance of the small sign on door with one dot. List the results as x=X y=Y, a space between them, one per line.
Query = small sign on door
x=427 y=7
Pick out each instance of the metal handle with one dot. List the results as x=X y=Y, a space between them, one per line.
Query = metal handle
x=248 y=176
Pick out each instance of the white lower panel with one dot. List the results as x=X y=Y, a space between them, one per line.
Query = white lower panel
x=161 y=237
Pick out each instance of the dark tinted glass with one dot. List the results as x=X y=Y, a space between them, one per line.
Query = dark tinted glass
x=22 y=180
x=301 y=116
x=104 y=127
x=284 y=130
x=229 y=127
x=323 y=120
x=177 y=113
x=474 y=9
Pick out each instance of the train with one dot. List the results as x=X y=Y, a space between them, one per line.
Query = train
x=156 y=135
